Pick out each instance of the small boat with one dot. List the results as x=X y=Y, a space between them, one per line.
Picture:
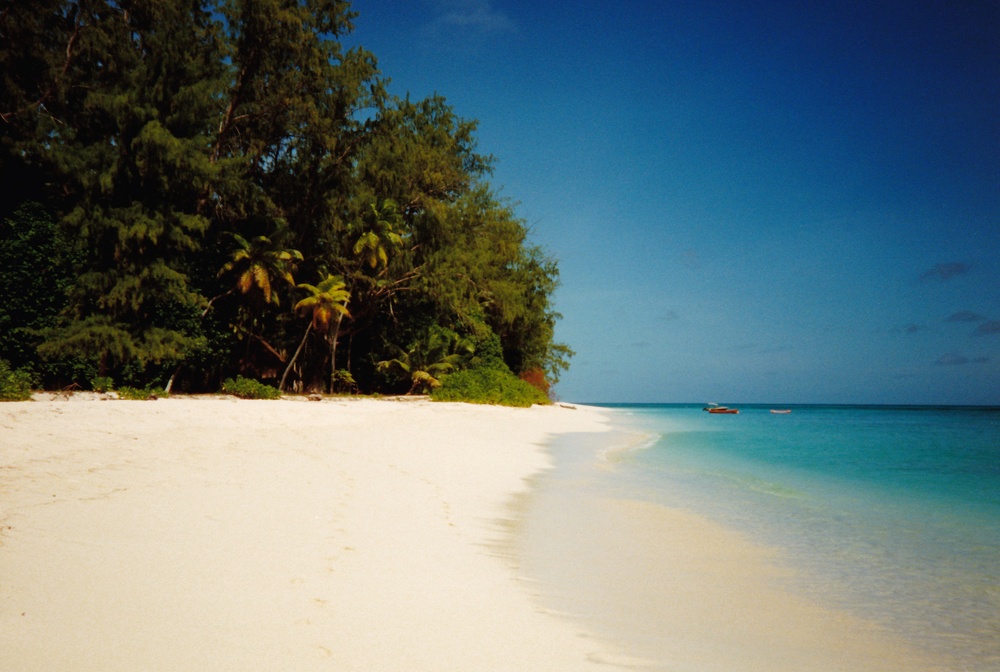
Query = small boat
x=783 y=411
x=720 y=410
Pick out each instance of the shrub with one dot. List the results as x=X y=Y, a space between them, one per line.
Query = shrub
x=489 y=354
x=343 y=381
x=536 y=378
x=14 y=385
x=102 y=384
x=144 y=394
x=247 y=388
x=488 y=386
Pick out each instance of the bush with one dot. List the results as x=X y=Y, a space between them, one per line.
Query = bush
x=14 y=385
x=536 y=378
x=143 y=394
x=102 y=384
x=247 y=388
x=488 y=386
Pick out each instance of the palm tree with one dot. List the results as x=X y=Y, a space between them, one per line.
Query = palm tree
x=373 y=246
x=327 y=302
x=439 y=352
x=258 y=264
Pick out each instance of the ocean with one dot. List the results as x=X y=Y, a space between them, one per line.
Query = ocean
x=891 y=514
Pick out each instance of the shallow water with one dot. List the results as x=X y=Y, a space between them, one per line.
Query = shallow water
x=889 y=514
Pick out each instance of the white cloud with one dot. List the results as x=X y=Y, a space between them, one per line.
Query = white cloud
x=477 y=15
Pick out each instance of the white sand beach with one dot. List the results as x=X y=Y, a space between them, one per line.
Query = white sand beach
x=216 y=534
x=348 y=534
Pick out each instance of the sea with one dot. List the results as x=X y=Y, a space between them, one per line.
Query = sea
x=889 y=513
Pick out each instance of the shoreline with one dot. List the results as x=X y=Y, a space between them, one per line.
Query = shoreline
x=677 y=589
x=223 y=534
x=359 y=534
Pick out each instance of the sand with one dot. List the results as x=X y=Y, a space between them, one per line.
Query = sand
x=679 y=590
x=216 y=534
x=350 y=534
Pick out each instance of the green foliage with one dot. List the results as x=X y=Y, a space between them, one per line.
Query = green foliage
x=343 y=381
x=258 y=263
x=439 y=352
x=324 y=302
x=327 y=304
x=489 y=354
x=379 y=236
x=488 y=386
x=143 y=394
x=102 y=384
x=247 y=388
x=35 y=263
x=125 y=136
x=15 y=385
x=166 y=141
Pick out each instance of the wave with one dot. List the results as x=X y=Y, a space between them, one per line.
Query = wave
x=628 y=444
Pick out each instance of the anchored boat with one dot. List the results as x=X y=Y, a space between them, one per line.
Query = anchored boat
x=721 y=410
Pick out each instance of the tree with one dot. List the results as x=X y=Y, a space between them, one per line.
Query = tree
x=294 y=118
x=259 y=264
x=35 y=263
x=120 y=131
x=439 y=352
x=327 y=303
x=479 y=268
x=157 y=133
x=380 y=236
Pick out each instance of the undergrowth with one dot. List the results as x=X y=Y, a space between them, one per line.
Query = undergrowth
x=247 y=388
x=15 y=385
x=483 y=385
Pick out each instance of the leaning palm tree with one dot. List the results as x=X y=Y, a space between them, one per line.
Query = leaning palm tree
x=439 y=352
x=258 y=264
x=327 y=302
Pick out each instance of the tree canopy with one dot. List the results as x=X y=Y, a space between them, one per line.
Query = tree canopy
x=181 y=172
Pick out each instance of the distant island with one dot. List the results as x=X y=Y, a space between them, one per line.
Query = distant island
x=206 y=192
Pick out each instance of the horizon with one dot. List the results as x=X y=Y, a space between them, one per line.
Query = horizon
x=746 y=200
x=739 y=405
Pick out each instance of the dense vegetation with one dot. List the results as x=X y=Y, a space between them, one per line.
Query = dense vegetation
x=201 y=191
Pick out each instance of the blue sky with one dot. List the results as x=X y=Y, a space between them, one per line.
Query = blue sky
x=749 y=201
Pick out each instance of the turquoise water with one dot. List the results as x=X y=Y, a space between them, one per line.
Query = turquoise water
x=892 y=513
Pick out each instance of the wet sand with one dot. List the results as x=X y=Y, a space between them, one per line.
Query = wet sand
x=217 y=534
x=677 y=590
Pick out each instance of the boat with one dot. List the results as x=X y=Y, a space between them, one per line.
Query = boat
x=720 y=410
x=781 y=411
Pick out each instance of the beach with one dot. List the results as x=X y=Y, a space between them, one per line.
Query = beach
x=217 y=534
x=356 y=534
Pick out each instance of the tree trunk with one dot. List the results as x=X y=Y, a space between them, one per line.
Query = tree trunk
x=350 y=349
x=170 y=383
x=333 y=350
x=213 y=300
x=284 y=376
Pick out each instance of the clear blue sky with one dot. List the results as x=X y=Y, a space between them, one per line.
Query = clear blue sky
x=750 y=201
